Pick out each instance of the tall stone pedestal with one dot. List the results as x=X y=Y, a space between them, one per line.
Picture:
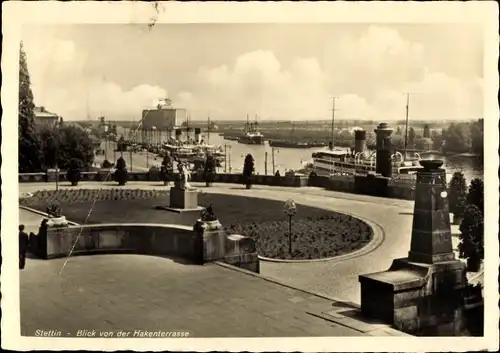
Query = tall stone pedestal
x=182 y=200
x=383 y=161
x=423 y=293
x=213 y=244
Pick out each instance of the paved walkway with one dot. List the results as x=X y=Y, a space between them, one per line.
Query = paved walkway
x=338 y=279
x=137 y=292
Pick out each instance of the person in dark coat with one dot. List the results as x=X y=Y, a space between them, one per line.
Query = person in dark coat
x=23 y=246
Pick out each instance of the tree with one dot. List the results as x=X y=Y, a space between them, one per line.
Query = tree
x=209 y=170
x=427 y=133
x=477 y=137
x=74 y=171
x=424 y=144
x=61 y=144
x=411 y=137
x=121 y=174
x=471 y=246
x=30 y=154
x=457 y=138
x=121 y=145
x=167 y=169
x=457 y=194
x=475 y=195
x=248 y=170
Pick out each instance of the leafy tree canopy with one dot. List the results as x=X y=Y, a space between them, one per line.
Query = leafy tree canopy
x=30 y=154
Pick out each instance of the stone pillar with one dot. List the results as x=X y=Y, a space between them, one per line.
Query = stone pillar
x=383 y=162
x=213 y=237
x=359 y=141
x=422 y=294
x=431 y=234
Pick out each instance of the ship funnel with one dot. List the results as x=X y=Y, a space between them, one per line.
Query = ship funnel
x=359 y=141
x=197 y=135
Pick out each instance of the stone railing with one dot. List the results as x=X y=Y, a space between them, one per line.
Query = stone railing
x=149 y=239
x=291 y=181
x=394 y=188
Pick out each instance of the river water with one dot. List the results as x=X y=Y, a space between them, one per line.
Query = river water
x=293 y=158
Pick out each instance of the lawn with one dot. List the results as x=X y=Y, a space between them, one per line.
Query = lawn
x=316 y=233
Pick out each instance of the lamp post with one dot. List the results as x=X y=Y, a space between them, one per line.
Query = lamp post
x=290 y=210
x=227 y=157
x=272 y=158
x=57 y=154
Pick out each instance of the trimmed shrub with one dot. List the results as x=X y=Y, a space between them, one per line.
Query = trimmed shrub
x=167 y=168
x=74 y=171
x=475 y=195
x=471 y=246
x=248 y=170
x=209 y=170
x=457 y=194
x=121 y=174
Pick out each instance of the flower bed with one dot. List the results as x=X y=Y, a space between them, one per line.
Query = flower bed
x=316 y=233
x=312 y=237
x=88 y=195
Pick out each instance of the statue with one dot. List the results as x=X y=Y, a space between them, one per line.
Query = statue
x=54 y=211
x=208 y=215
x=184 y=176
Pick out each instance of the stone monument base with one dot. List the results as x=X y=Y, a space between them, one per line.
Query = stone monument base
x=182 y=201
x=417 y=298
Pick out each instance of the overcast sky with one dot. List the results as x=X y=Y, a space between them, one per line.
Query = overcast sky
x=276 y=71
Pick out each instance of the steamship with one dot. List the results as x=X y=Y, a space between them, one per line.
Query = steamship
x=358 y=161
x=342 y=161
x=252 y=136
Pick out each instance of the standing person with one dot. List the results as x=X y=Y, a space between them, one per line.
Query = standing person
x=23 y=246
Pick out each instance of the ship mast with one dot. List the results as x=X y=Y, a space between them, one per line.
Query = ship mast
x=406 y=127
x=247 y=129
x=333 y=122
x=208 y=129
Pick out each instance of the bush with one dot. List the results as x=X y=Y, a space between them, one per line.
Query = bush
x=209 y=170
x=106 y=164
x=154 y=173
x=457 y=194
x=248 y=169
x=74 y=171
x=471 y=244
x=121 y=174
x=475 y=195
x=167 y=168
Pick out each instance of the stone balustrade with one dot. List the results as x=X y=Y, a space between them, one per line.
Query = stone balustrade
x=149 y=239
x=341 y=183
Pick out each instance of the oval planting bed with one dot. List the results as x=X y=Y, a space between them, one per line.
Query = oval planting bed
x=316 y=233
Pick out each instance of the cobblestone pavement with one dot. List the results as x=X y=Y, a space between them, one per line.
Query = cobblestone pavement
x=337 y=279
x=137 y=292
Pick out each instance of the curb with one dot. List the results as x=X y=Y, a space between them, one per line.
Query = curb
x=377 y=240
x=272 y=280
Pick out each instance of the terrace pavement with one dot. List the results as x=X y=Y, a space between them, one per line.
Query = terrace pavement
x=392 y=218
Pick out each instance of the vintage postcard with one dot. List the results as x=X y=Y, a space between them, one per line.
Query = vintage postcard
x=226 y=176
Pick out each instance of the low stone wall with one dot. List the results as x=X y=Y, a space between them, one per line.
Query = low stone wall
x=342 y=183
x=291 y=181
x=148 y=239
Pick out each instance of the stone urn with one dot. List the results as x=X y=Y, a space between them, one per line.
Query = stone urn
x=57 y=221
